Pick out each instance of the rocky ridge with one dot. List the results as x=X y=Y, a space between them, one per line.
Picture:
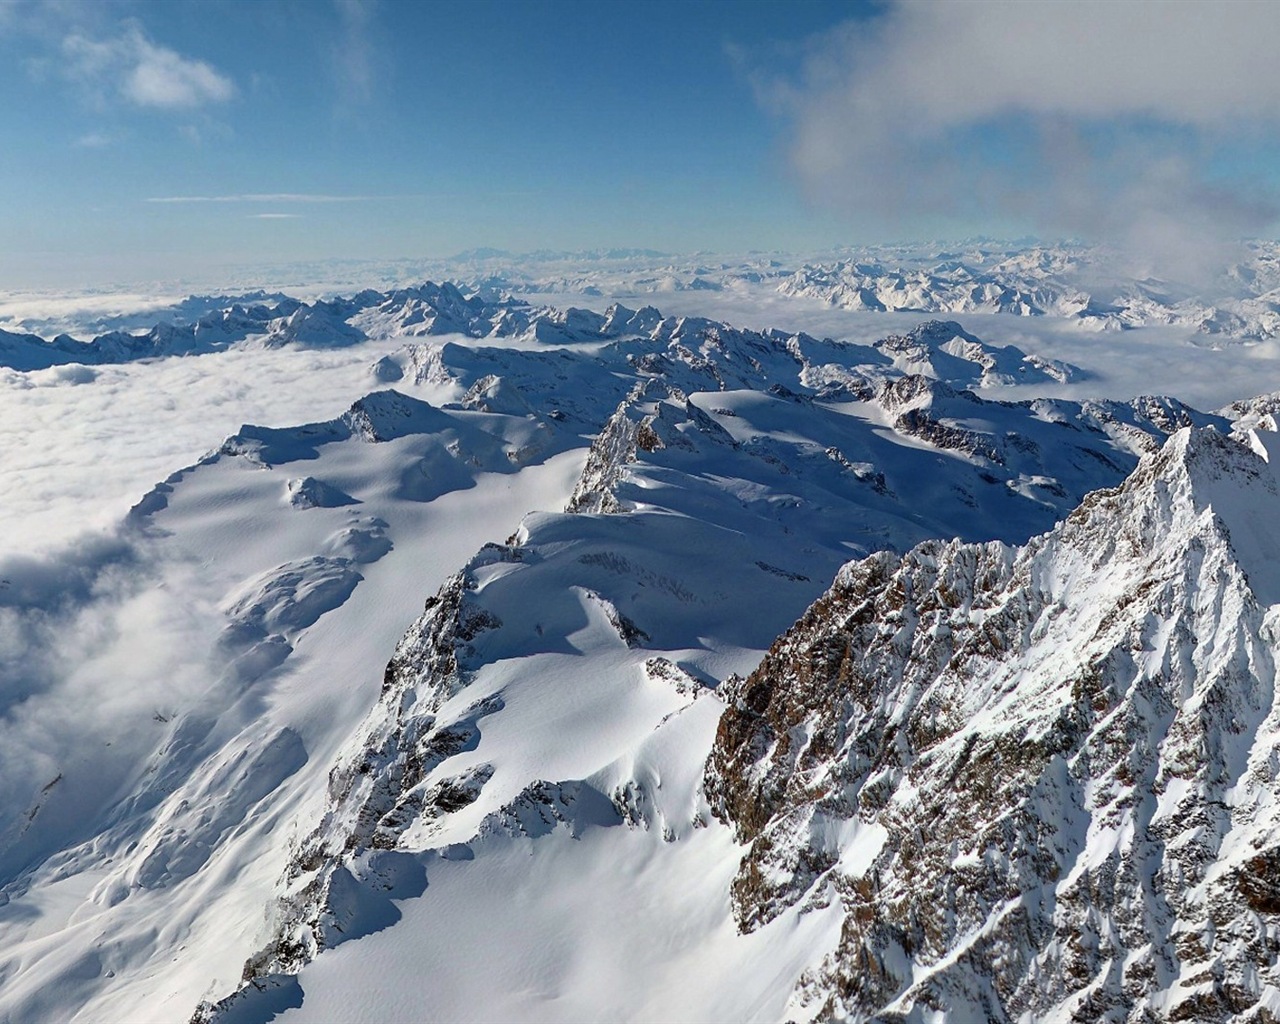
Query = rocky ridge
x=1039 y=782
x=347 y=861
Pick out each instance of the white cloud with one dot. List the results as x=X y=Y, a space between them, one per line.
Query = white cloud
x=55 y=313
x=1117 y=108
x=140 y=421
x=92 y=645
x=144 y=73
x=275 y=216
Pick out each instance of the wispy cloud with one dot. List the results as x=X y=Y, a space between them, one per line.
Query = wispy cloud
x=94 y=140
x=274 y=216
x=354 y=53
x=272 y=197
x=143 y=72
x=1091 y=117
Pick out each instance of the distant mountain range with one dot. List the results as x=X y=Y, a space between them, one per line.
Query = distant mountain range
x=1083 y=285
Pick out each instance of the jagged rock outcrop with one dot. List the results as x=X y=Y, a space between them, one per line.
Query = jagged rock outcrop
x=641 y=426
x=1041 y=782
x=379 y=789
x=610 y=453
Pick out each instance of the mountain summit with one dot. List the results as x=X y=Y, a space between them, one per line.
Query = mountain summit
x=1039 y=782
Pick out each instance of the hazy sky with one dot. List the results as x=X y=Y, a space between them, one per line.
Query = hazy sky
x=158 y=139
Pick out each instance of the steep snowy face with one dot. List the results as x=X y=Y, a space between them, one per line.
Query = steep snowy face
x=559 y=686
x=1038 y=782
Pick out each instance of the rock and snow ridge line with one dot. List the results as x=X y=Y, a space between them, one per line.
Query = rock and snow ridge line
x=1060 y=280
x=1039 y=782
x=942 y=350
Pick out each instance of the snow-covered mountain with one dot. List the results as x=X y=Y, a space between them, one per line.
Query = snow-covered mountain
x=1039 y=782
x=247 y=773
x=1055 y=281
x=1088 y=287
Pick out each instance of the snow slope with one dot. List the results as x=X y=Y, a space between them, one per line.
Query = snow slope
x=140 y=843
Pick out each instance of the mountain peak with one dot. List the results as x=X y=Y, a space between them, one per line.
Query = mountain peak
x=1237 y=481
x=987 y=751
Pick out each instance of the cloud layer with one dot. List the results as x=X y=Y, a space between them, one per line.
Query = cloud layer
x=948 y=64
x=1102 y=119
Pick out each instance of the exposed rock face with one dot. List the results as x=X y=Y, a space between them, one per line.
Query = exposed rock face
x=379 y=789
x=1041 y=782
x=613 y=449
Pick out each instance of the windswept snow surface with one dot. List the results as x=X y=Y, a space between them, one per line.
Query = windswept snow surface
x=205 y=760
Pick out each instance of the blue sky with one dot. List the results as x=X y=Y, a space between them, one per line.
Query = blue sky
x=432 y=127
x=290 y=130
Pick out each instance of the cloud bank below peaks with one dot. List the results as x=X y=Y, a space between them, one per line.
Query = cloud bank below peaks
x=1127 y=123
